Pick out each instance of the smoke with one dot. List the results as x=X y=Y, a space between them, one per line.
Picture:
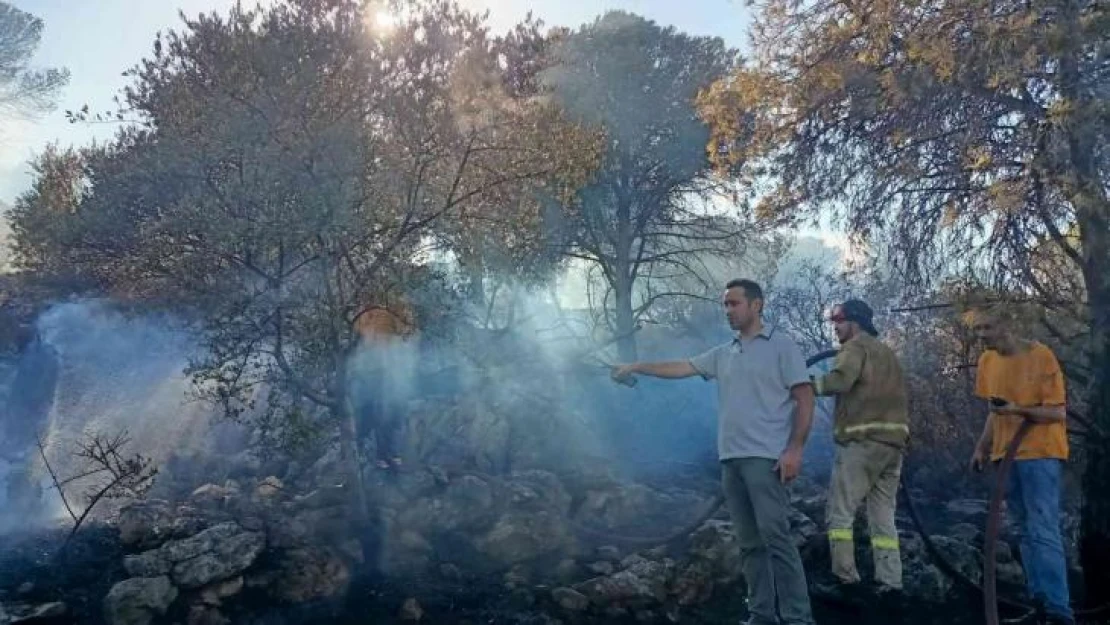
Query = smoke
x=528 y=382
x=93 y=369
x=523 y=383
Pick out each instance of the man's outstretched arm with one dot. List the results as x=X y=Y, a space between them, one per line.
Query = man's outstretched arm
x=670 y=369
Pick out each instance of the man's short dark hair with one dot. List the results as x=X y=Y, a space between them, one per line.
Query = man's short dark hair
x=752 y=290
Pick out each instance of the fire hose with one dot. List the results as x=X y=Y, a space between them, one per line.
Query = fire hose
x=991 y=599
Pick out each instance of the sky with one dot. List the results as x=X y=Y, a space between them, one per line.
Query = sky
x=97 y=40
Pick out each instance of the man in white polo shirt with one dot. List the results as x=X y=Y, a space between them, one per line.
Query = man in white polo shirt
x=765 y=410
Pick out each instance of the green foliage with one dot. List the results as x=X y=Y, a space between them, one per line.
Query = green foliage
x=24 y=90
x=288 y=168
x=641 y=217
x=960 y=132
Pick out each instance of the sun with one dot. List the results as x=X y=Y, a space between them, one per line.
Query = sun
x=385 y=20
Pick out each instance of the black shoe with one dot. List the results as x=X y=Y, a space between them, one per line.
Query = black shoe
x=889 y=597
x=853 y=595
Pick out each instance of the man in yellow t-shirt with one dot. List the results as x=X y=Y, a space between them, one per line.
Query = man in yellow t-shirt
x=1026 y=376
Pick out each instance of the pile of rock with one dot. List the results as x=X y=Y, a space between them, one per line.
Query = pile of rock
x=203 y=560
x=197 y=558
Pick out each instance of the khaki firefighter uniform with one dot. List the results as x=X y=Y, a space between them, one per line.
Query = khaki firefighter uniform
x=871 y=429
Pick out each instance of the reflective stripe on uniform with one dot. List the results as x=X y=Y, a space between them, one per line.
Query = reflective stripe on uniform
x=864 y=427
x=841 y=534
x=884 y=542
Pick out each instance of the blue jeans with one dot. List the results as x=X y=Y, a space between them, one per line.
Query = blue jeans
x=1034 y=502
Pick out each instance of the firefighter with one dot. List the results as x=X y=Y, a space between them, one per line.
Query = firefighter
x=382 y=376
x=871 y=430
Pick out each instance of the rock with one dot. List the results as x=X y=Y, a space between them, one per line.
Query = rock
x=656 y=575
x=967 y=559
x=149 y=524
x=969 y=510
x=636 y=509
x=405 y=552
x=450 y=571
x=351 y=549
x=802 y=527
x=570 y=599
x=309 y=574
x=138 y=600
x=220 y=552
x=538 y=489
x=566 y=570
x=965 y=532
x=715 y=543
x=921 y=579
x=311 y=525
x=146 y=524
x=147 y=564
x=467 y=505
x=324 y=497
x=515 y=577
x=411 y=610
x=520 y=599
x=187 y=522
x=41 y=614
x=610 y=553
x=1010 y=573
x=602 y=568
x=619 y=588
x=693 y=584
x=269 y=488
x=210 y=495
x=206 y=615
x=246 y=463
x=260 y=579
x=522 y=536
x=215 y=594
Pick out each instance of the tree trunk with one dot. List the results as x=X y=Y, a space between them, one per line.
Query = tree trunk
x=475 y=283
x=1094 y=542
x=626 y=323
x=623 y=282
x=1085 y=190
x=1095 y=527
x=348 y=450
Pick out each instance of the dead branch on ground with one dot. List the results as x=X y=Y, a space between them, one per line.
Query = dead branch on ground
x=118 y=476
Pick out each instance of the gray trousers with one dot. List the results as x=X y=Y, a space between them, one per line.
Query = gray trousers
x=760 y=508
x=865 y=471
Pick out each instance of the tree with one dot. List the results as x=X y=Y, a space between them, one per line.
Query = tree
x=288 y=167
x=491 y=244
x=24 y=90
x=42 y=213
x=641 y=217
x=965 y=134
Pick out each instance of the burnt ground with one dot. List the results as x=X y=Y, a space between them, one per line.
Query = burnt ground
x=34 y=570
x=93 y=563
x=379 y=601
